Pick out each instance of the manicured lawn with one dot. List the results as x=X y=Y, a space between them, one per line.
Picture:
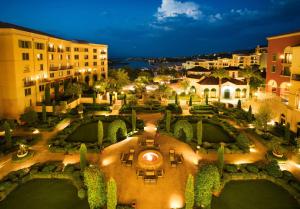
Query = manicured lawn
x=256 y=194
x=87 y=133
x=213 y=133
x=44 y=194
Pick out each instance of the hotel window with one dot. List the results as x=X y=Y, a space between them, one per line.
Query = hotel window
x=51 y=75
x=274 y=57
x=86 y=49
x=95 y=56
x=60 y=56
x=68 y=72
x=52 y=85
x=68 y=57
x=95 y=50
x=61 y=73
x=76 y=49
x=41 y=88
x=68 y=49
x=24 y=44
x=39 y=45
x=39 y=56
x=51 y=56
x=25 y=56
x=102 y=63
x=41 y=67
x=76 y=57
x=95 y=63
x=86 y=64
x=27 y=92
x=86 y=57
x=273 y=70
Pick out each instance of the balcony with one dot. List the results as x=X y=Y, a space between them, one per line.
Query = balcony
x=66 y=67
x=54 y=68
x=103 y=53
x=296 y=77
x=29 y=83
x=60 y=50
x=285 y=73
x=51 y=49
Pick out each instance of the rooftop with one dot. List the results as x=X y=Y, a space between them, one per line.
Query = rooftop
x=21 y=28
x=282 y=35
x=215 y=81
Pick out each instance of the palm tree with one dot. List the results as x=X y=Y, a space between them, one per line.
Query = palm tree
x=220 y=74
x=249 y=73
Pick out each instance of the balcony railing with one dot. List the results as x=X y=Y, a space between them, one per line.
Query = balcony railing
x=29 y=83
x=296 y=77
x=54 y=68
x=51 y=49
x=286 y=73
x=60 y=50
x=66 y=67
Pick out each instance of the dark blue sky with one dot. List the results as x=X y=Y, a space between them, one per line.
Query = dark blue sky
x=158 y=27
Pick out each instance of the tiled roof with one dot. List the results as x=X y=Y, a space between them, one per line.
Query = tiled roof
x=199 y=69
x=215 y=81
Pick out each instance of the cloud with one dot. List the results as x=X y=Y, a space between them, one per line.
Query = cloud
x=173 y=8
x=214 y=18
x=160 y=27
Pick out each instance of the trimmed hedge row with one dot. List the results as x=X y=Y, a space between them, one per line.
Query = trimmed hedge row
x=59 y=143
x=48 y=170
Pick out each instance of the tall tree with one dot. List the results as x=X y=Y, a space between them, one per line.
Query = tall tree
x=287 y=132
x=221 y=158
x=83 y=156
x=112 y=198
x=239 y=104
x=56 y=90
x=220 y=74
x=263 y=116
x=118 y=79
x=133 y=120
x=248 y=73
x=44 y=113
x=47 y=94
x=189 y=193
x=168 y=120
x=185 y=84
x=249 y=114
x=199 y=132
x=100 y=132
x=176 y=99
x=191 y=101
x=7 y=134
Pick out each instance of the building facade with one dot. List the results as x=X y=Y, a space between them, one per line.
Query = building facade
x=29 y=60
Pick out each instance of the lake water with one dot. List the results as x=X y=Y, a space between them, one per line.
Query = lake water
x=133 y=64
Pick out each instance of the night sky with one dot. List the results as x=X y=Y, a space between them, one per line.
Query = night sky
x=158 y=27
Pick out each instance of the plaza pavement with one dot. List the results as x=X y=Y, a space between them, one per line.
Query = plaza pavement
x=168 y=192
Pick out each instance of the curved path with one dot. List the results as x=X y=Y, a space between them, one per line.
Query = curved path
x=168 y=192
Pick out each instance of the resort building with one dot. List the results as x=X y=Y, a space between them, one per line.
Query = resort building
x=30 y=59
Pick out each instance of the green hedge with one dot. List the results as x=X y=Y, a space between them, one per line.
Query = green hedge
x=183 y=126
x=113 y=129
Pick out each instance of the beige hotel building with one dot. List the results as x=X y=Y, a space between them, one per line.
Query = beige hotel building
x=30 y=59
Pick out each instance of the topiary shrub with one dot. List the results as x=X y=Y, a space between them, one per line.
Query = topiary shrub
x=100 y=133
x=114 y=127
x=273 y=169
x=252 y=168
x=189 y=193
x=231 y=168
x=185 y=127
x=83 y=156
x=81 y=193
x=112 y=198
x=168 y=120
x=96 y=191
x=207 y=182
x=199 y=132
x=243 y=142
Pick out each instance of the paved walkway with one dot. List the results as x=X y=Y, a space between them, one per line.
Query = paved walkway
x=168 y=192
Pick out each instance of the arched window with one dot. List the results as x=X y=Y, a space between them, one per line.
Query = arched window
x=213 y=93
x=238 y=93
x=206 y=92
x=244 y=93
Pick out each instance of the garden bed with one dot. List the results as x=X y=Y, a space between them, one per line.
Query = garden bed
x=85 y=131
x=258 y=194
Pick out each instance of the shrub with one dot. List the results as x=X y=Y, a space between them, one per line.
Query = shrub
x=231 y=168
x=252 y=168
x=30 y=116
x=168 y=120
x=287 y=133
x=133 y=120
x=7 y=135
x=207 y=182
x=199 y=132
x=239 y=104
x=83 y=153
x=189 y=193
x=81 y=193
x=112 y=199
x=273 y=169
x=100 y=132
x=114 y=127
x=243 y=142
x=47 y=94
x=221 y=158
x=94 y=181
x=186 y=127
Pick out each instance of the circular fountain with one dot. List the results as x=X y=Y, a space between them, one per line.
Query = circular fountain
x=150 y=159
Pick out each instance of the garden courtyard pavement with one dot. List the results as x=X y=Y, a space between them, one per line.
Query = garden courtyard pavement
x=167 y=192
